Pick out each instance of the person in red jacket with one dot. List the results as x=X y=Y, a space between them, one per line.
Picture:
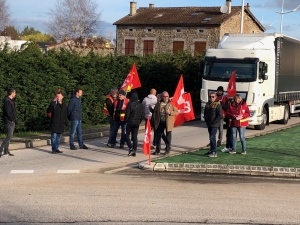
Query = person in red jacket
x=238 y=114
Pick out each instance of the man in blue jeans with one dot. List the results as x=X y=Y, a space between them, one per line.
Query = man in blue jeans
x=75 y=116
x=9 y=119
x=213 y=117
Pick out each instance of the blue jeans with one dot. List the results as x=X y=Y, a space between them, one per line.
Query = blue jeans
x=212 y=131
x=113 y=136
x=241 y=131
x=9 y=127
x=76 y=127
x=55 y=141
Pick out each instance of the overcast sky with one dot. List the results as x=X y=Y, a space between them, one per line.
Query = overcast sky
x=35 y=12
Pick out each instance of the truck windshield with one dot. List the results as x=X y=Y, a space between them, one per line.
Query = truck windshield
x=245 y=71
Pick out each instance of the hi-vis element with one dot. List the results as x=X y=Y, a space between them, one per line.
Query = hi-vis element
x=231 y=89
x=132 y=80
x=183 y=102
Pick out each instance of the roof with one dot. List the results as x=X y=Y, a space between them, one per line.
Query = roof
x=182 y=16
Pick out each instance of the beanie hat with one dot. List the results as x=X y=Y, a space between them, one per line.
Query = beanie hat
x=122 y=92
x=220 y=88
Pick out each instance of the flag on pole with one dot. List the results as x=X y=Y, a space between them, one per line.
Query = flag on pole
x=231 y=89
x=132 y=80
x=147 y=138
x=183 y=102
x=54 y=98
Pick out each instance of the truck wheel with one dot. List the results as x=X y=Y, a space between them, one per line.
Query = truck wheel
x=285 y=115
x=264 y=120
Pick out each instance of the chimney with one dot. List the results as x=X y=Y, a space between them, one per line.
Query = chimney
x=228 y=4
x=151 y=5
x=248 y=6
x=132 y=8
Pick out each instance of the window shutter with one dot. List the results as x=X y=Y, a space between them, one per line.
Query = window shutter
x=178 y=46
x=199 y=48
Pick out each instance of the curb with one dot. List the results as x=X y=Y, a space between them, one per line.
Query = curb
x=222 y=169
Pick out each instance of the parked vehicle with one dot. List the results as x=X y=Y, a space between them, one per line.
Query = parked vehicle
x=267 y=74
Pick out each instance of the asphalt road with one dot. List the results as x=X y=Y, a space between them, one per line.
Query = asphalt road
x=103 y=186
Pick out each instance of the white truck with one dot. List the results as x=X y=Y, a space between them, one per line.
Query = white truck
x=267 y=74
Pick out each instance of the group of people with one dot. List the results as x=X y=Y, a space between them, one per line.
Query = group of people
x=128 y=114
x=234 y=112
x=59 y=112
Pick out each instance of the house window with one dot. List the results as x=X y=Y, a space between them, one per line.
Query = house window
x=130 y=29
x=199 y=47
x=201 y=31
x=178 y=46
x=178 y=30
x=129 y=46
x=148 y=47
x=149 y=30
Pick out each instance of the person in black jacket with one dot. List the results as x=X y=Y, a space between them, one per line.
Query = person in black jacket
x=213 y=117
x=9 y=119
x=58 y=121
x=134 y=115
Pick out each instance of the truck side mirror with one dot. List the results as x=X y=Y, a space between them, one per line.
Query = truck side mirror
x=201 y=69
x=263 y=69
x=265 y=77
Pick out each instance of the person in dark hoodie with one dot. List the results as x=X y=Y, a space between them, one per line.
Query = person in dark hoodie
x=9 y=119
x=134 y=115
x=75 y=116
x=58 y=121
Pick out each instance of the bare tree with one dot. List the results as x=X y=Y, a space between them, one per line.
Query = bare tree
x=4 y=14
x=73 y=19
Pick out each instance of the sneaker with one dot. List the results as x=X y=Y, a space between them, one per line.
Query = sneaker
x=153 y=147
x=110 y=145
x=219 y=143
x=244 y=152
x=212 y=154
x=53 y=152
x=207 y=153
x=121 y=146
x=226 y=150
x=57 y=151
x=5 y=154
x=166 y=153
x=155 y=153
x=232 y=151
x=73 y=147
x=10 y=154
x=132 y=153
x=84 y=147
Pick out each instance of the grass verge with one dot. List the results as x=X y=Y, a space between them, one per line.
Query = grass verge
x=279 y=149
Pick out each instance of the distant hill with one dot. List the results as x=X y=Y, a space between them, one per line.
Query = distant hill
x=107 y=30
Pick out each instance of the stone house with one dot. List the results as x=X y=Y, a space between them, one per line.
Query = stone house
x=172 y=29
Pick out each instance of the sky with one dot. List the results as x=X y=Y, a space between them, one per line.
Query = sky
x=34 y=13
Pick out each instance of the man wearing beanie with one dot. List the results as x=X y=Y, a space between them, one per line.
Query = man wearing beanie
x=119 y=120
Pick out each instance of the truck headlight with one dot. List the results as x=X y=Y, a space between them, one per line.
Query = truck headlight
x=252 y=113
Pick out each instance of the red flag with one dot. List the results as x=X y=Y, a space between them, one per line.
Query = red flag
x=183 y=102
x=231 y=89
x=132 y=80
x=147 y=139
x=54 y=98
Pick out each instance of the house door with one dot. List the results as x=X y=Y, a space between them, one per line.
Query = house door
x=199 y=48
x=129 y=46
x=178 y=46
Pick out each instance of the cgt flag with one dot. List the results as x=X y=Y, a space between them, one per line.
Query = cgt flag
x=132 y=80
x=147 y=138
x=183 y=102
x=231 y=89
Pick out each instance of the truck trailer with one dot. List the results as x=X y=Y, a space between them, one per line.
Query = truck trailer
x=267 y=74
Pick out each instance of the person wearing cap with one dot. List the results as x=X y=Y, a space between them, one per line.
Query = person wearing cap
x=58 y=121
x=108 y=108
x=134 y=115
x=223 y=100
x=119 y=120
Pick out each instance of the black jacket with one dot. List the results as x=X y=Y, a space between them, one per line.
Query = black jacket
x=213 y=114
x=59 y=119
x=74 y=108
x=9 y=110
x=135 y=110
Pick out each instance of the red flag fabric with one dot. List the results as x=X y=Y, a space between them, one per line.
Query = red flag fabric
x=183 y=102
x=147 y=138
x=231 y=89
x=58 y=91
x=132 y=80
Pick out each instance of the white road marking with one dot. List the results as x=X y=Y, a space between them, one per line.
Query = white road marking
x=21 y=171
x=68 y=171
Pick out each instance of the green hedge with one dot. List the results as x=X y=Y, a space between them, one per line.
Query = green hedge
x=36 y=78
